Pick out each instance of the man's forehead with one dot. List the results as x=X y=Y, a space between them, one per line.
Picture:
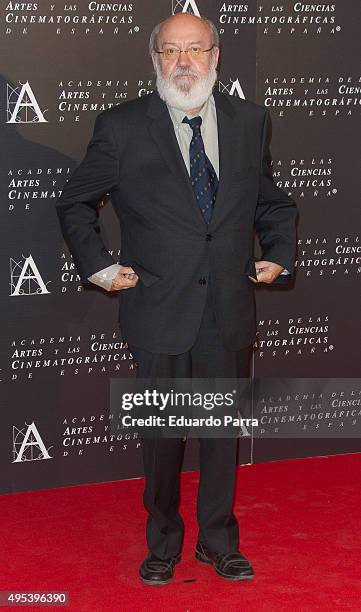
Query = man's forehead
x=179 y=30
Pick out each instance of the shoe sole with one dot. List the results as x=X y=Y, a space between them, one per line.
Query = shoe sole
x=155 y=582
x=204 y=559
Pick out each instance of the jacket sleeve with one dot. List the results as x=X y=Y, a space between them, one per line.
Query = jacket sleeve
x=77 y=207
x=276 y=213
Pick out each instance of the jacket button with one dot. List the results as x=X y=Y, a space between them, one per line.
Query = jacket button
x=209 y=236
x=202 y=281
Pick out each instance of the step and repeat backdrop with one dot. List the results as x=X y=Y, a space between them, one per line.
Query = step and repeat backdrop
x=62 y=64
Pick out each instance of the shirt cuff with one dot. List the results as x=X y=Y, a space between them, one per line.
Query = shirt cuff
x=104 y=278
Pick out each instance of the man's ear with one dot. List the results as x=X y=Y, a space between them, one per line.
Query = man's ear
x=154 y=60
x=216 y=55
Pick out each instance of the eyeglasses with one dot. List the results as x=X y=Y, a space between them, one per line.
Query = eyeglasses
x=174 y=53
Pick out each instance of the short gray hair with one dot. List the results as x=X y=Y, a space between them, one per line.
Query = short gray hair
x=154 y=34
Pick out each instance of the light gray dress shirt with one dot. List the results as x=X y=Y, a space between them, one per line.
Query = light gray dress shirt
x=184 y=133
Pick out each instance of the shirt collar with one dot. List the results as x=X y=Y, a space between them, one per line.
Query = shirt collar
x=178 y=115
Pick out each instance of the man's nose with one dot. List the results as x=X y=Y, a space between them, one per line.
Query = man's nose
x=183 y=59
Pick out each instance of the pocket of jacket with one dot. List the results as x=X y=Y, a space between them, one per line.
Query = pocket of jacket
x=250 y=268
x=146 y=277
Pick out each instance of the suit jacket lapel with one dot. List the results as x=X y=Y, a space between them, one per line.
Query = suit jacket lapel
x=162 y=131
x=226 y=144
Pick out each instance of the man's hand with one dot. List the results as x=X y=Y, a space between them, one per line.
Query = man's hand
x=267 y=272
x=125 y=279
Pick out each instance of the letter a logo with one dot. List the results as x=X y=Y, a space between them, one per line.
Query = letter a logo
x=28 y=446
x=26 y=278
x=22 y=106
x=185 y=6
x=234 y=88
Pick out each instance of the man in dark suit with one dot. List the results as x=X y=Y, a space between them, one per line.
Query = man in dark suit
x=189 y=177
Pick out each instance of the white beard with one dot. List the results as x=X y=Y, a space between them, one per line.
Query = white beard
x=188 y=93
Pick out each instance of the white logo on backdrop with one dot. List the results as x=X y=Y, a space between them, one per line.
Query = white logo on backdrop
x=22 y=106
x=28 y=444
x=26 y=278
x=233 y=88
x=185 y=6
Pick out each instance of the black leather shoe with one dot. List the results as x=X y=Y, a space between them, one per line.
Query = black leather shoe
x=233 y=565
x=158 y=571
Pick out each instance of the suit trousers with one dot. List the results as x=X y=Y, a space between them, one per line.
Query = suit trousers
x=162 y=457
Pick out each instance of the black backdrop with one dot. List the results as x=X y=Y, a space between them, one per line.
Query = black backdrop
x=62 y=63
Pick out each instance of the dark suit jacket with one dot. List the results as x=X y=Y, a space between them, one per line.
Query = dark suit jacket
x=134 y=156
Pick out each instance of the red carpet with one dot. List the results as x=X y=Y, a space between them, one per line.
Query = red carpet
x=300 y=524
